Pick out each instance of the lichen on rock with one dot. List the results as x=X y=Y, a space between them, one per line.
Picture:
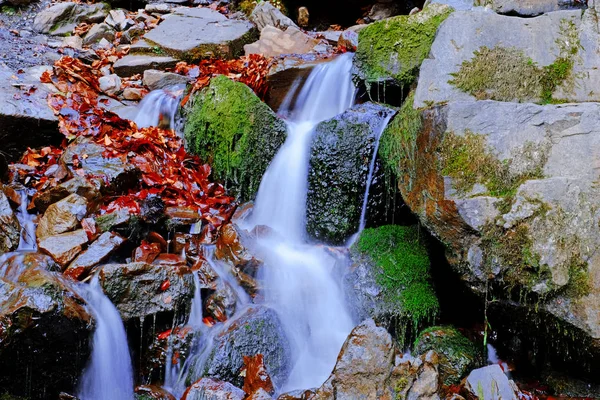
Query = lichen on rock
x=230 y=128
x=393 y=49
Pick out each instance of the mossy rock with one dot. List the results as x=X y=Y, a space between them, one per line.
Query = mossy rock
x=402 y=269
x=231 y=129
x=458 y=355
x=393 y=49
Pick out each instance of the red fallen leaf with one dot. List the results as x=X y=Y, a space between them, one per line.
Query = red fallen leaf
x=164 y=335
x=165 y=285
x=256 y=376
x=208 y=321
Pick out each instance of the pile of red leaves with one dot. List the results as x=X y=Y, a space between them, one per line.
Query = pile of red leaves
x=166 y=169
x=251 y=70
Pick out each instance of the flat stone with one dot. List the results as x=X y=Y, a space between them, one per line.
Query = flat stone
x=331 y=36
x=274 y=42
x=133 y=64
x=64 y=248
x=62 y=216
x=532 y=8
x=192 y=34
x=96 y=253
x=140 y=47
x=99 y=32
x=154 y=79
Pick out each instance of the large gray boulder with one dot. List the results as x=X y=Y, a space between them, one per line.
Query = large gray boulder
x=257 y=331
x=532 y=8
x=61 y=18
x=192 y=34
x=549 y=58
x=341 y=155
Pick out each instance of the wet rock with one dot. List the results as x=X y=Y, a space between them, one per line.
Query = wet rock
x=456 y=353
x=348 y=40
x=65 y=247
x=392 y=50
x=491 y=383
x=111 y=220
x=39 y=309
x=341 y=154
x=152 y=209
x=133 y=64
x=301 y=394
x=110 y=84
x=303 y=17
x=147 y=392
x=257 y=331
x=531 y=8
x=260 y=394
x=117 y=19
x=155 y=79
x=266 y=14
x=133 y=94
x=188 y=34
x=228 y=124
x=99 y=32
x=62 y=216
x=96 y=253
x=61 y=18
x=274 y=42
x=284 y=72
x=28 y=121
x=10 y=230
x=117 y=175
x=221 y=304
x=383 y=9
x=139 y=289
x=207 y=388
x=182 y=216
x=171 y=346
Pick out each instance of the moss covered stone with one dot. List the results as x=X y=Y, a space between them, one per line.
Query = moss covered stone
x=393 y=49
x=402 y=262
x=230 y=128
x=458 y=355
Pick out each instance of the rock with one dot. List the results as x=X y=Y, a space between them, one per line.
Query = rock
x=155 y=79
x=260 y=394
x=416 y=378
x=131 y=34
x=531 y=8
x=331 y=37
x=481 y=43
x=491 y=383
x=257 y=331
x=392 y=50
x=61 y=18
x=211 y=389
x=497 y=186
x=98 y=32
x=28 y=122
x=383 y=9
x=188 y=34
x=228 y=124
x=63 y=248
x=266 y=14
x=115 y=175
x=137 y=289
x=10 y=230
x=74 y=42
x=76 y=185
x=457 y=354
x=274 y=42
x=62 y=216
x=152 y=392
x=303 y=17
x=283 y=73
x=133 y=64
x=117 y=19
x=96 y=253
x=133 y=94
x=39 y=308
x=159 y=8
x=348 y=40
x=341 y=154
x=110 y=84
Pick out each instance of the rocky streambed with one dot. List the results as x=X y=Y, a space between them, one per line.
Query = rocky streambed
x=282 y=220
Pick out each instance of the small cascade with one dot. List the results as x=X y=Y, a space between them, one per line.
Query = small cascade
x=158 y=108
x=109 y=374
x=26 y=220
x=298 y=277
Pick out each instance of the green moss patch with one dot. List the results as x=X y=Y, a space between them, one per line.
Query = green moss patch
x=393 y=49
x=230 y=128
x=403 y=263
x=507 y=74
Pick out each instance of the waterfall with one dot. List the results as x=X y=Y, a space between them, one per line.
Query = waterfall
x=158 y=108
x=26 y=220
x=298 y=277
x=109 y=375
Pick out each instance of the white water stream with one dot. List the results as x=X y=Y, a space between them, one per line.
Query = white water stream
x=27 y=240
x=158 y=108
x=109 y=374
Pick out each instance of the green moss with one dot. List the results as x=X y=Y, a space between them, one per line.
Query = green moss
x=230 y=128
x=403 y=263
x=579 y=279
x=9 y=10
x=458 y=355
x=507 y=74
x=395 y=47
x=398 y=143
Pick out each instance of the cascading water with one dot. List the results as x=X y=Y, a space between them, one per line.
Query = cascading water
x=158 y=108
x=298 y=279
x=26 y=220
x=109 y=374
